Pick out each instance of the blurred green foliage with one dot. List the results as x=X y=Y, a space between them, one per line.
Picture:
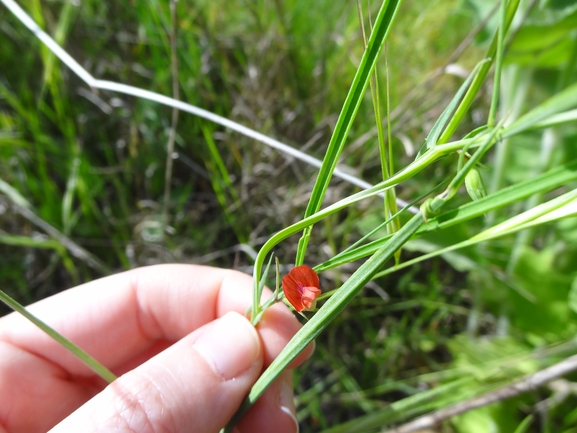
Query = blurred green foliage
x=91 y=164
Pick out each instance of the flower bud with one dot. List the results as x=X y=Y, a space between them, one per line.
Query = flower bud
x=474 y=184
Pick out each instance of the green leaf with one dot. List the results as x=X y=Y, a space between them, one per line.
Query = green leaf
x=14 y=195
x=552 y=179
x=88 y=360
x=327 y=313
x=560 y=102
x=435 y=133
x=381 y=29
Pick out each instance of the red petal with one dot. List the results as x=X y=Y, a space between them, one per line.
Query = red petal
x=309 y=297
x=305 y=276
x=294 y=283
x=291 y=291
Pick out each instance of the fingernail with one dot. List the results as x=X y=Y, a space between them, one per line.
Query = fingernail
x=286 y=403
x=230 y=345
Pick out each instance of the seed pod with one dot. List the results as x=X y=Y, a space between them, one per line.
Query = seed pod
x=474 y=184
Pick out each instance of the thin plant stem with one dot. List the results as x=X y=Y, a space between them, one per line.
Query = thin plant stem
x=498 y=65
x=529 y=383
x=174 y=120
x=88 y=360
x=330 y=309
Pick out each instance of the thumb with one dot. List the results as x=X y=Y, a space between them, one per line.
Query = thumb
x=198 y=383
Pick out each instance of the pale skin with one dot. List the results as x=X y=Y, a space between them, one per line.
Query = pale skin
x=176 y=337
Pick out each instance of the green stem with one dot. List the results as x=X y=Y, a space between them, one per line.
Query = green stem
x=327 y=313
x=409 y=171
x=478 y=81
x=498 y=65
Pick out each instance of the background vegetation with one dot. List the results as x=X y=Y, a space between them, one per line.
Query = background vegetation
x=91 y=165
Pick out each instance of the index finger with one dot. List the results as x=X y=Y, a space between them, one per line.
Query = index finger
x=128 y=316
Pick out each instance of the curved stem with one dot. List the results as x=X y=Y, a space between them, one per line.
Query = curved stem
x=409 y=171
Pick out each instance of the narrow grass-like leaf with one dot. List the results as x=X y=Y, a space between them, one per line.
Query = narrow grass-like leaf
x=391 y=202
x=14 y=195
x=88 y=360
x=560 y=102
x=498 y=64
x=525 y=424
x=69 y=197
x=221 y=183
x=546 y=182
x=435 y=133
x=26 y=241
x=383 y=24
x=561 y=207
x=75 y=249
x=327 y=313
x=479 y=78
x=29 y=242
x=557 y=119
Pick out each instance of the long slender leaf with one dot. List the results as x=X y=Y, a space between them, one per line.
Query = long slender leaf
x=14 y=195
x=327 y=313
x=88 y=360
x=560 y=102
x=479 y=78
x=441 y=122
x=561 y=207
x=546 y=182
x=29 y=242
x=498 y=64
x=383 y=24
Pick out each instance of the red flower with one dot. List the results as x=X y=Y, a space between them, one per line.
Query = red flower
x=301 y=288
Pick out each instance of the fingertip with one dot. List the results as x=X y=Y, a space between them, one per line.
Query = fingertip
x=231 y=347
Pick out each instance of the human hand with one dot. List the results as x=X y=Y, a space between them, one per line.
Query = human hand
x=176 y=336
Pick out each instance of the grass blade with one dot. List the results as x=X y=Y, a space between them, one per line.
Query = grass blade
x=563 y=206
x=479 y=79
x=383 y=24
x=546 y=182
x=434 y=134
x=562 y=101
x=327 y=313
x=88 y=360
x=498 y=64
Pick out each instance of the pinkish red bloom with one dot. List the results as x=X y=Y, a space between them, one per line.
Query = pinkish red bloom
x=301 y=288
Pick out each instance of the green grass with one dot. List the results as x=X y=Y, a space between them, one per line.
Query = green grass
x=83 y=183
